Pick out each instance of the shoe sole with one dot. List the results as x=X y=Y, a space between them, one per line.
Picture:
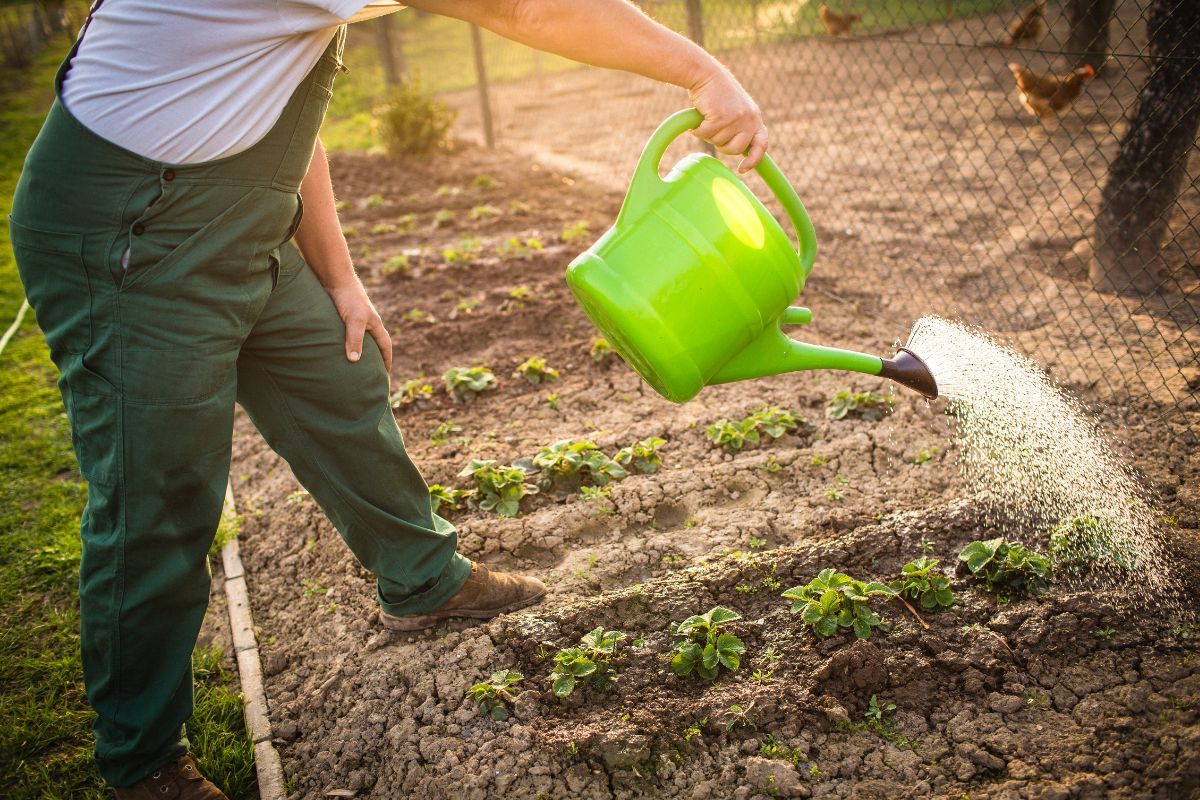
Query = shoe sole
x=421 y=622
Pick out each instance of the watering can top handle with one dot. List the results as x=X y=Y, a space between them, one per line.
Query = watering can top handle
x=647 y=184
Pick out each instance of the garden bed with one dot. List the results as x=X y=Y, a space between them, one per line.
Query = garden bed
x=1053 y=698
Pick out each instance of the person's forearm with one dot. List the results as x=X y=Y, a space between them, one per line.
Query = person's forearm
x=320 y=236
x=603 y=33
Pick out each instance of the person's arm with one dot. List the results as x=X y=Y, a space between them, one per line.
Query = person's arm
x=323 y=246
x=617 y=35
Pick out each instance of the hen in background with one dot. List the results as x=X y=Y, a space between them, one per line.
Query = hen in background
x=1048 y=95
x=837 y=24
x=1027 y=26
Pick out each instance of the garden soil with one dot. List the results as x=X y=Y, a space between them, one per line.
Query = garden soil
x=1082 y=694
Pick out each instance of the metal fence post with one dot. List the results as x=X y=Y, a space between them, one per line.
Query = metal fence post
x=485 y=103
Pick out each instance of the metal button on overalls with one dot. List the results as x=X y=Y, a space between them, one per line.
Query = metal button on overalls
x=213 y=304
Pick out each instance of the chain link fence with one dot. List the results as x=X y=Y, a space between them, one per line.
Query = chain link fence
x=944 y=174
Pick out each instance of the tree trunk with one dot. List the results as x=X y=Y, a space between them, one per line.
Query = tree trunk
x=1145 y=178
x=387 y=55
x=1088 y=40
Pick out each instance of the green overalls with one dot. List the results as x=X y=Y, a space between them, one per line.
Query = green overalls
x=216 y=305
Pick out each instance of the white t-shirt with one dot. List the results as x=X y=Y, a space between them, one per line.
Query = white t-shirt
x=185 y=82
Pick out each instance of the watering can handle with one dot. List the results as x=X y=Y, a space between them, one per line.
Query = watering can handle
x=646 y=185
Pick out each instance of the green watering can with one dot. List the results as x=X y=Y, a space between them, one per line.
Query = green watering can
x=692 y=282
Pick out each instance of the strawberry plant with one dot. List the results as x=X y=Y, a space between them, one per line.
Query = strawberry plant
x=464 y=251
x=412 y=392
x=580 y=230
x=733 y=436
x=484 y=211
x=642 y=455
x=465 y=384
x=1077 y=544
x=704 y=647
x=870 y=406
x=396 y=264
x=498 y=487
x=495 y=694
x=775 y=422
x=374 y=201
x=443 y=431
x=601 y=350
x=447 y=496
x=1007 y=569
x=443 y=218
x=483 y=182
x=513 y=249
x=569 y=461
x=919 y=582
x=833 y=600
x=535 y=371
x=589 y=664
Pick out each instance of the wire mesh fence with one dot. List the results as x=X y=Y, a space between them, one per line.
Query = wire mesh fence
x=1030 y=169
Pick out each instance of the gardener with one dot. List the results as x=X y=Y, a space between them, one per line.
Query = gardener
x=159 y=233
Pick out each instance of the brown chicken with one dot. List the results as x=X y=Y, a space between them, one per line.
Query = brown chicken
x=837 y=24
x=1027 y=26
x=1047 y=95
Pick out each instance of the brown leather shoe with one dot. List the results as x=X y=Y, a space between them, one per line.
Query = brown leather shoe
x=485 y=595
x=178 y=781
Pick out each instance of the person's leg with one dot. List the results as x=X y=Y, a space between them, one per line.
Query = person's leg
x=332 y=422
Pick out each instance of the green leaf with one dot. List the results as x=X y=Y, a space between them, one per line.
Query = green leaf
x=709 y=657
x=563 y=685
x=826 y=626
x=687 y=654
x=720 y=615
x=861 y=629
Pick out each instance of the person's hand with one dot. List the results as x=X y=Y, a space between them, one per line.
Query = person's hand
x=360 y=317
x=733 y=122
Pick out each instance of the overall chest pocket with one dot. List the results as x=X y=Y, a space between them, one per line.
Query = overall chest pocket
x=56 y=283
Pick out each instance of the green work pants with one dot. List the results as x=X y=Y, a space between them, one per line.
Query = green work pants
x=167 y=292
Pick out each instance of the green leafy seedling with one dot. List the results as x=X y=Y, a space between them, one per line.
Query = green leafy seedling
x=1078 y=544
x=447 y=497
x=495 y=695
x=875 y=711
x=580 y=230
x=483 y=182
x=465 y=384
x=484 y=211
x=642 y=455
x=464 y=251
x=412 y=392
x=833 y=601
x=775 y=422
x=514 y=249
x=589 y=664
x=443 y=431
x=374 y=201
x=704 y=647
x=601 y=350
x=498 y=488
x=931 y=590
x=568 y=462
x=870 y=406
x=1008 y=569
x=396 y=264
x=733 y=436
x=535 y=370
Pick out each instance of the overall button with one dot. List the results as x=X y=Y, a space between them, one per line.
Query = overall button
x=168 y=175
x=138 y=229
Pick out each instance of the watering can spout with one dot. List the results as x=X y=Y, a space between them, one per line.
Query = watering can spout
x=907 y=369
x=773 y=353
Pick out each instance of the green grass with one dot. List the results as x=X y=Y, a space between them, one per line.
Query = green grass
x=45 y=723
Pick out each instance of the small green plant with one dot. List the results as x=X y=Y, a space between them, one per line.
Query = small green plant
x=923 y=456
x=443 y=218
x=495 y=694
x=834 y=494
x=601 y=350
x=412 y=392
x=381 y=228
x=464 y=251
x=312 y=589
x=1008 y=569
x=519 y=293
x=484 y=211
x=514 y=249
x=535 y=371
x=552 y=401
x=737 y=716
x=580 y=230
x=568 y=462
x=498 y=487
x=412 y=122
x=867 y=405
x=833 y=600
x=443 y=431
x=931 y=590
x=775 y=422
x=298 y=497
x=589 y=664
x=597 y=498
x=466 y=305
x=875 y=712
x=396 y=264
x=1078 y=544
x=447 y=497
x=773 y=748
x=1106 y=633
x=732 y=436
x=818 y=460
x=642 y=455
x=416 y=315
x=374 y=201
x=769 y=659
x=704 y=647
x=771 y=466
x=519 y=208
x=465 y=384
x=483 y=182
